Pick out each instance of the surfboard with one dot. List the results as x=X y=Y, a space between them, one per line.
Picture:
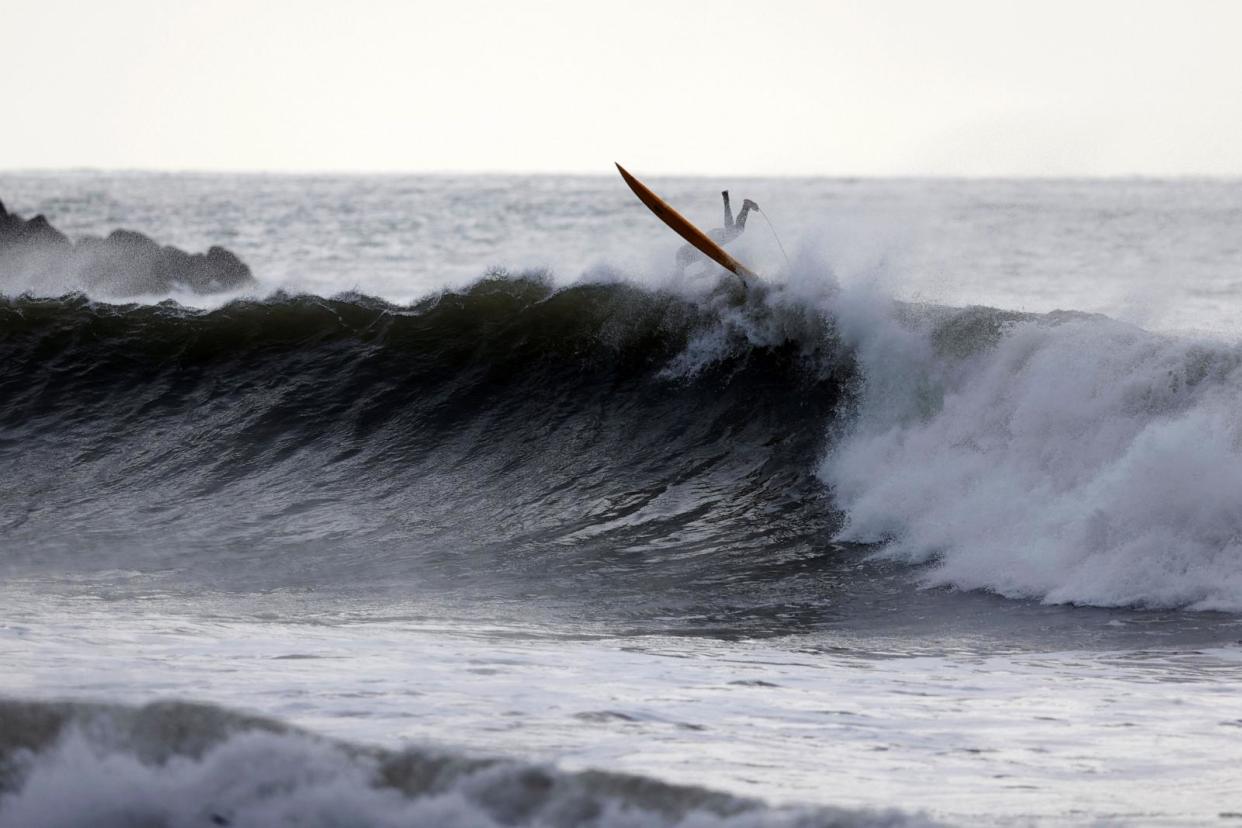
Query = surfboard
x=684 y=228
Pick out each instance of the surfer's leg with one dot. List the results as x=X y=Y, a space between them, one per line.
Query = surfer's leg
x=747 y=206
x=728 y=211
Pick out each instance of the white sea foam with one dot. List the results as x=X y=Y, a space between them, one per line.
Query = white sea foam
x=1066 y=458
x=188 y=765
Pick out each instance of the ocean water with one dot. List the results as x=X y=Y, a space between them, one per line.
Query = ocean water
x=475 y=511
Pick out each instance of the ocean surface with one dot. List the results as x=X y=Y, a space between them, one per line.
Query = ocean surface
x=477 y=511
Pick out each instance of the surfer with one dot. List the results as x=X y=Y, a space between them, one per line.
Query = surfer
x=709 y=244
x=733 y=228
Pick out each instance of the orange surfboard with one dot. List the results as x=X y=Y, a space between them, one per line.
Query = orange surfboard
x=682 y=227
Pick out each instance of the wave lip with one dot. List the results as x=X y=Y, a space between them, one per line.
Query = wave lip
x=181 y=764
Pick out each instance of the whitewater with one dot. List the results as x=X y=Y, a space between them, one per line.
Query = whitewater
x=472 y=510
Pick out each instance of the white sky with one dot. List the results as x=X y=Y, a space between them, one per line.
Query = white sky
x=883 y=87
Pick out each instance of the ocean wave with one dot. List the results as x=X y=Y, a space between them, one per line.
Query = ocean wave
x=178 y=764
x=653 y=448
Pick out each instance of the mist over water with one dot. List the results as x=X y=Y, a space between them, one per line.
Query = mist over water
x=477 y=440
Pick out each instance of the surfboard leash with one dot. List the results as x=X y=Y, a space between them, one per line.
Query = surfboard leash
x=775 y=235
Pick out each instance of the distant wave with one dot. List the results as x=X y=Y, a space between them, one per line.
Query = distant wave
x=640 y=442
x=180 y=765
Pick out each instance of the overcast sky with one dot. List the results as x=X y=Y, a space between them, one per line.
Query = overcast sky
x=882 y=87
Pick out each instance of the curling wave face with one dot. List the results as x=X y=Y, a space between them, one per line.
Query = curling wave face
x=511 y=437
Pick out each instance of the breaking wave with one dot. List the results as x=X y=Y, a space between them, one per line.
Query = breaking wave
x=1066 y=458
x=628 y=442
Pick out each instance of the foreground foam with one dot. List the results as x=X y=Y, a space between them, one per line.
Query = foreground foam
x=178 y=764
